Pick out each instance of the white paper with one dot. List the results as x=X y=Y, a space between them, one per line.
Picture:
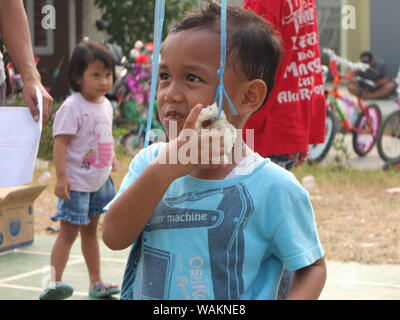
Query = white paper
x=19 y=143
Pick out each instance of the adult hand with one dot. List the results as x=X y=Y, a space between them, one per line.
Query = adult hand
x=303 y=157
x=30 y=99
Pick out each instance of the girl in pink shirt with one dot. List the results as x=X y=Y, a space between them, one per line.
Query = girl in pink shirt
x=84 y=158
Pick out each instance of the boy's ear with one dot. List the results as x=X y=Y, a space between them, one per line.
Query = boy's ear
x=253 y=96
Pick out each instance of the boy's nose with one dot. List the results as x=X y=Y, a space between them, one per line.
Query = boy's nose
x=173 y=95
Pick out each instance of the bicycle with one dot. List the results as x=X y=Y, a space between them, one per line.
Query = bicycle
x=388 y=143
x=134 y=95
x=364 y=128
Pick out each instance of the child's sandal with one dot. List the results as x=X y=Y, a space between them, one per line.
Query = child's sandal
x=60 y=291
x=103 y=290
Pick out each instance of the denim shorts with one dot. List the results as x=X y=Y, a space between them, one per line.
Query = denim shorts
x=84 y=205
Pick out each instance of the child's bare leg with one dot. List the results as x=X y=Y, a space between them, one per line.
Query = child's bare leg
x=91 y=250
x=61 y=249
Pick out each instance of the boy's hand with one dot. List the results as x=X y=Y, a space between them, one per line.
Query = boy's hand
x=191 y=150
x=63 y=189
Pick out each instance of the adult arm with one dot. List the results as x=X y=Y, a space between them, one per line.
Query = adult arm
x=383 y=81
x=14 y=29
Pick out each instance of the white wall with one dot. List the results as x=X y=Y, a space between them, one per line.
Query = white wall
x=90 y=14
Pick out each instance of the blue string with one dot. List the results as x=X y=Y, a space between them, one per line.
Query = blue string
x=158 y=28
x=221 y=92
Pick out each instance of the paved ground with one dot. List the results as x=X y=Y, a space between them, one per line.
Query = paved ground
x=24 y=270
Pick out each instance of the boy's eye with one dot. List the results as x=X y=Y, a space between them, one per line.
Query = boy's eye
x=163 y=76
x=192 y=78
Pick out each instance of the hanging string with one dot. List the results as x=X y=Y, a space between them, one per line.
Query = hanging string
x=158 y=29
x=220 y=93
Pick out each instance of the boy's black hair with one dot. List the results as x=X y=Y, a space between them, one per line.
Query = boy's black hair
x=85 y=53
x=252 y=45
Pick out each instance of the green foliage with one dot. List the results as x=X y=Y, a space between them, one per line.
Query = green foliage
x=130 y=20
x=46 y=139
x=119 y=132
x=343 y=154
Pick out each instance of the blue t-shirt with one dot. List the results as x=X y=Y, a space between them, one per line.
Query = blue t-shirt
x=221 y=239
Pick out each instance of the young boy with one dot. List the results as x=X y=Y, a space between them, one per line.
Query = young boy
x=206 y=231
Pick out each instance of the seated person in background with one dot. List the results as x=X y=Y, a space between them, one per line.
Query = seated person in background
x=379 y=86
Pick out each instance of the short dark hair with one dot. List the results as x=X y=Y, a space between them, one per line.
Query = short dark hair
x=366 y=56
x=252 y=44
x=85 y=53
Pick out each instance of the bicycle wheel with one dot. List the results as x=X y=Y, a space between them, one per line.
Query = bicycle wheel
x=388 y=143
x=365 y=131
x=319 y=151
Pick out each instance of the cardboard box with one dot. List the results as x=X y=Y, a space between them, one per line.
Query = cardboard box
x=16 y=216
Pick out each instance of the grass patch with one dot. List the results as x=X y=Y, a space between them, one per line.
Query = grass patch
x=358 y=220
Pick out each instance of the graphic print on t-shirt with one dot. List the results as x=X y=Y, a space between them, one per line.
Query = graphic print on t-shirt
x=209 y=265
x=299 y=17
x=100 y=153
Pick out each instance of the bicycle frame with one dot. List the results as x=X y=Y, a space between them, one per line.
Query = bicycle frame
x=334 y=95
x=368 y=119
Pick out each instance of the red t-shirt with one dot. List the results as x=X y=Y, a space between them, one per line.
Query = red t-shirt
x=294 y=115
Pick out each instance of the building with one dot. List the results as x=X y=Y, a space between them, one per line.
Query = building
x=347 y=26
x=74 y=19
x=352 y=26
x=375 y=29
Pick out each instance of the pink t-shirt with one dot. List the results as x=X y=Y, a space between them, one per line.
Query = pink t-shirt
x=91 y=149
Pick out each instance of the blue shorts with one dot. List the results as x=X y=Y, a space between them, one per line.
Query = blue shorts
x=84 y=205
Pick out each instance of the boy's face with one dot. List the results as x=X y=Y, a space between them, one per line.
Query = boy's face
x=188 y=76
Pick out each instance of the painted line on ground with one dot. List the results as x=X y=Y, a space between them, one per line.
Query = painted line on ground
x=42 y=270
x=349 y=283
x=44 y=253
x=27 y=288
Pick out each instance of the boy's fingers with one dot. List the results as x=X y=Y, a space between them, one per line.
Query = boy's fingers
x=192 y=117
